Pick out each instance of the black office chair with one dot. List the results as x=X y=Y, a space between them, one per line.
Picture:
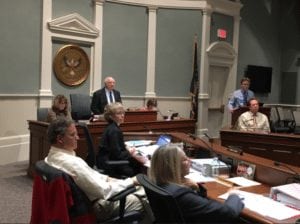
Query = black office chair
x=163 y=205
x=80 y=106
x=57 y=199
x=296 y=115
x=42 y=113
x=276 y=124
x=286 y=118
x=91 y=157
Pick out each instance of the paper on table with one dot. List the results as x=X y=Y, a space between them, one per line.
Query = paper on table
x=147 y=150
x=136 y=143
x=265 y=206
x=198 y=177
x=242 y=181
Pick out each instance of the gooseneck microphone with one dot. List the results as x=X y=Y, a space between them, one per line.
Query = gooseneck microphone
x=208 y=146
x=296 y=175
x=148 y=129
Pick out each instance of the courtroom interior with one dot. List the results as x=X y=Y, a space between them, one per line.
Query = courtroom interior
x=185 y=69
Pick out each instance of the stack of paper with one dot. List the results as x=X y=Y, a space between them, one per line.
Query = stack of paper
x=265 y=206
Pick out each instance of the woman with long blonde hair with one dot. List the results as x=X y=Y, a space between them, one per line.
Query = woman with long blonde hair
x=169 y=166
x=59 y=109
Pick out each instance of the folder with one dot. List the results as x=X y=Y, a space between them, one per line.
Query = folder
x=288 y=194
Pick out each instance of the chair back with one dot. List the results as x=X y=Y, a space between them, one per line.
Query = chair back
x=42 y=113
x=57 y=199
x=163 y=205
x=80 y=106
x=91 y=157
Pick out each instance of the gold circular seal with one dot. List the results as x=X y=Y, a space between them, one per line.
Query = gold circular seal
x=71 y=65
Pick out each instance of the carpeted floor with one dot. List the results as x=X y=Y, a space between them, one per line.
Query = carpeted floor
x=15 y=193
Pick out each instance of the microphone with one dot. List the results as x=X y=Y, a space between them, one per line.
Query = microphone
x=208 y=146
x=192 y=136
x=148 y=129
x=296 y=175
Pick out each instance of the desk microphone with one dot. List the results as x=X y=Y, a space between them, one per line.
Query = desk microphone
x=208 y=146
x=296 y=175
x=148 y=129
x=192 y=136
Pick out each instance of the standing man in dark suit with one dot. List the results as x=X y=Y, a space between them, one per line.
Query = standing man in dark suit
x=105 y=96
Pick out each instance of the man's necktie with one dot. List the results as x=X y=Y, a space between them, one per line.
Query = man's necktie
x=110 y=97
x=245 y=95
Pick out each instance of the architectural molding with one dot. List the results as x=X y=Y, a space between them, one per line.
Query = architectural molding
x=221 y=6
x=14 y=149
x=221 y=53
x=73 y=24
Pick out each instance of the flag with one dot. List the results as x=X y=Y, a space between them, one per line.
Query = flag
x=194 y=87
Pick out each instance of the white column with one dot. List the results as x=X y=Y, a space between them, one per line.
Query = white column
x=297 y=101
x=236 y=33
x=45 y=92
x=203 y=76
x=150 y=86
x=96 y=77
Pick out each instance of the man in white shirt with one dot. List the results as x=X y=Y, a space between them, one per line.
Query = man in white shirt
x=253 y=120
x=62 y=135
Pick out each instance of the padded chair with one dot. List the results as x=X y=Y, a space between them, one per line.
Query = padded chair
x=42 y=113
x=296 y=115
x=80 y=106
x=276 y=124
x=57 y=199
x=286 y=117
x=91 y=157
x=163 y=205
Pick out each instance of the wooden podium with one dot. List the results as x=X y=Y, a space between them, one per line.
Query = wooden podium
x=235 y=115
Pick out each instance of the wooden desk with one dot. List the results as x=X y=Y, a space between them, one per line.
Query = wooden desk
x=275 y=146
x=266 y=172
x=235 y=115
x=140 y=116
x=39 y=146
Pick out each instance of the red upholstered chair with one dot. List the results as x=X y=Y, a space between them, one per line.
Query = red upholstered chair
x=57 y=199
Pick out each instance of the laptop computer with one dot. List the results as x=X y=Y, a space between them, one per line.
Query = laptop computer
x=163 y=140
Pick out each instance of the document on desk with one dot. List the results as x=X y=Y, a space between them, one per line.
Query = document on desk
x=243 y=182
x=137 y=143
x=147 y=150
x=198 y=177
x=265 y=206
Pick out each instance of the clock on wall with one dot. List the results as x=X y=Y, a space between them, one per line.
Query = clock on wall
x=71 y=65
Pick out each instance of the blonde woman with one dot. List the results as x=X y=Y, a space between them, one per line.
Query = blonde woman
x=59 y=109
x=169 y=166
x=112 y=146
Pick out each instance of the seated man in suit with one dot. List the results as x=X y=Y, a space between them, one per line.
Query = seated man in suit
x=253 y=120
x=241 y=96
x=104 y=96
x=62 y=135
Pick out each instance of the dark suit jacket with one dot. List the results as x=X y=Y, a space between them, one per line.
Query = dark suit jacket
x=99 y=100
x=199 y=209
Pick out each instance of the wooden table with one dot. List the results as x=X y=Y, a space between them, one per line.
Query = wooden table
x=275 y=146
x=39 y=146
x=266 y=172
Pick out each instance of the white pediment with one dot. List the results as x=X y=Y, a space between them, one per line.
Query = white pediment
x=73 y=24
x=221 y=53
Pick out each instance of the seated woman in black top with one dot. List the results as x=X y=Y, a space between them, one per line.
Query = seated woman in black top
x=169 y=166
x=112 y=146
